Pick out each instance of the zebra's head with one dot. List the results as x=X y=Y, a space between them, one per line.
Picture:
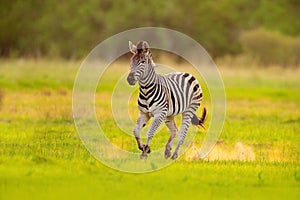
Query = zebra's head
x=139 y=62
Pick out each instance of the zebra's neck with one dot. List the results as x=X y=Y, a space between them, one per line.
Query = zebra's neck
x=149 y=78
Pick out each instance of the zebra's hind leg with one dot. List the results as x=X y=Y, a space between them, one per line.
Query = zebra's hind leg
x=143 y=118
x=186 y=121
x=173 y=131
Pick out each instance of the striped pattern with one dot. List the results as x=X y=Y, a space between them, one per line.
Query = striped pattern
x=163 y=97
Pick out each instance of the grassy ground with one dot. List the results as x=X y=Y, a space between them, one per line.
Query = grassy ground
x=41 y=155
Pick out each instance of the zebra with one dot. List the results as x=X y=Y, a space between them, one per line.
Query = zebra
x=163 y=97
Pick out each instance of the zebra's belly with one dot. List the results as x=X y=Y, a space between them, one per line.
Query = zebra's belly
x=175 y=106
x=172 y=110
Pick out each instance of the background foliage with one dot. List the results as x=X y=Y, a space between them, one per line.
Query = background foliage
x=258 y=153
x=70 y=29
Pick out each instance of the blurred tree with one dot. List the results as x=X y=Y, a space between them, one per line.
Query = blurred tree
x=70 y=29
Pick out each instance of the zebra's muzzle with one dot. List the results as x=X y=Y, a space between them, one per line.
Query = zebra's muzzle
x=130 y=79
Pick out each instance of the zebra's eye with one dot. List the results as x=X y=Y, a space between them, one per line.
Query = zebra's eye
x=143 y=61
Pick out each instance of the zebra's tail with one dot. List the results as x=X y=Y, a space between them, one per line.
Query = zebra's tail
x=199 y=122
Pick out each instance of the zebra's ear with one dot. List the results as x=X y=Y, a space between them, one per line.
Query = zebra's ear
x=132 y=47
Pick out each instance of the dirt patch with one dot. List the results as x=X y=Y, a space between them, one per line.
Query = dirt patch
x=222 y=152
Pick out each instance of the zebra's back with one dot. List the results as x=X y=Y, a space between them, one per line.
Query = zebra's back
x=184 y=93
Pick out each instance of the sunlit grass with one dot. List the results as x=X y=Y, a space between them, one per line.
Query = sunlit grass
x=42 y=156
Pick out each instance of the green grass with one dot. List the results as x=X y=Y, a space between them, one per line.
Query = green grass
x=42 y=157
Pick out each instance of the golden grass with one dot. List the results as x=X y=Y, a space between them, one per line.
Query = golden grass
x=37 y=105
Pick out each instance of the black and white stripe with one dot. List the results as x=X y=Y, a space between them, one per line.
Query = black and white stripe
x=163 y=97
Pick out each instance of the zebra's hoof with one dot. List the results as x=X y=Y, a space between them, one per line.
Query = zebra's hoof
x=142 y=147
x=146 y=149
x=144 y=156
x=175 y=155
x=167 y=153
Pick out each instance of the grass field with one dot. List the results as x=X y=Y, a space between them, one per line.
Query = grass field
x=41 y=155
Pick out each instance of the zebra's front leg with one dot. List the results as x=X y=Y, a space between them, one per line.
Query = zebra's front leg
x=143 y=118
x=158 y=119
x=173 y=131
x=186 y=120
